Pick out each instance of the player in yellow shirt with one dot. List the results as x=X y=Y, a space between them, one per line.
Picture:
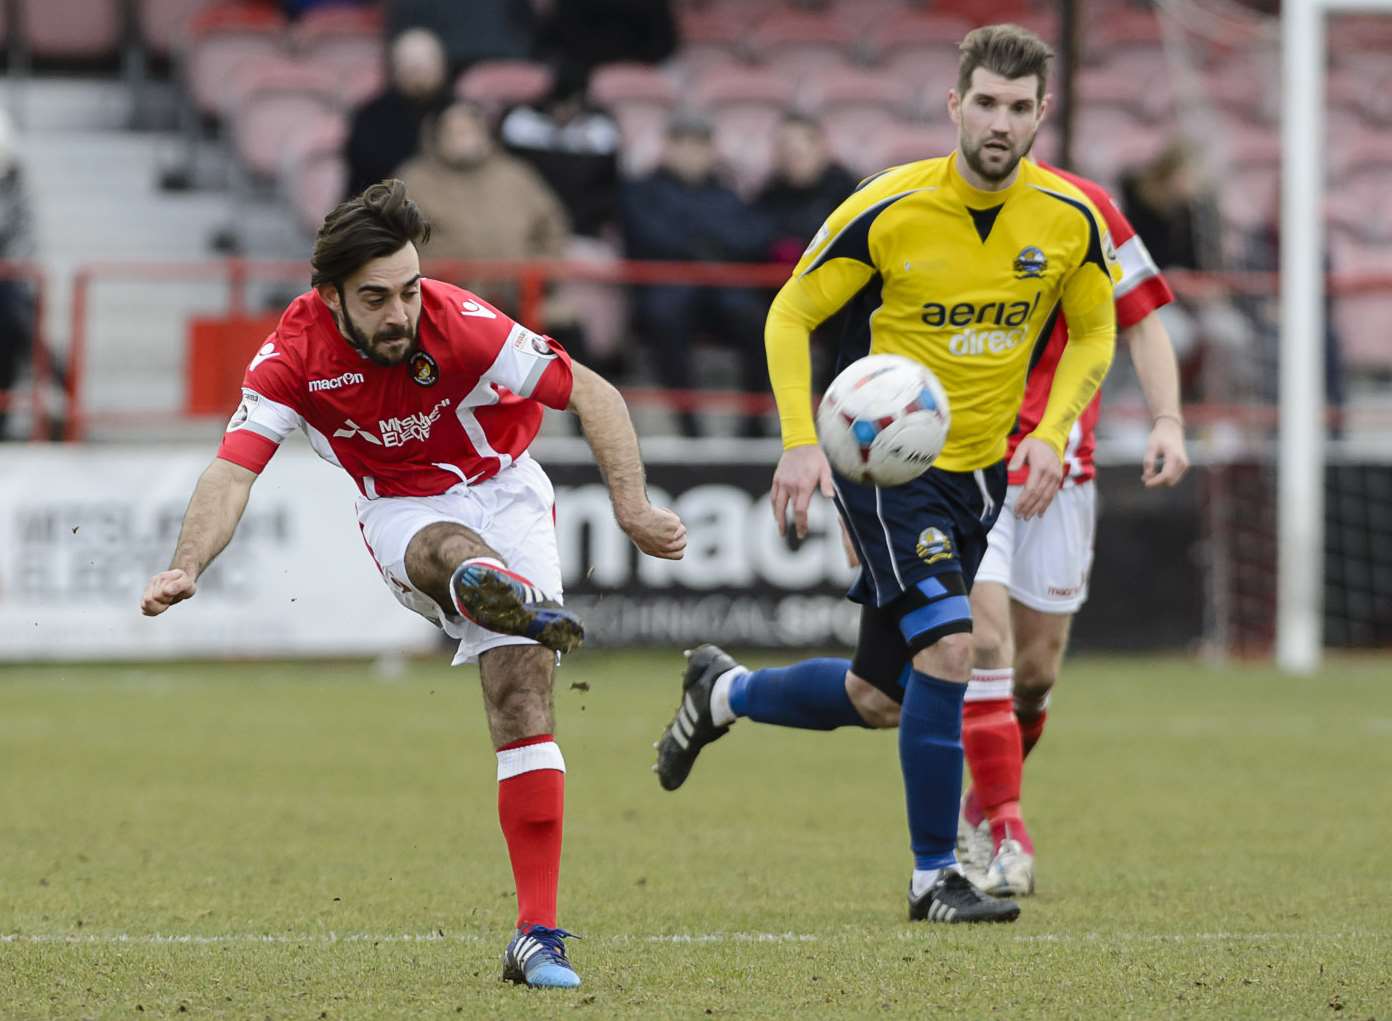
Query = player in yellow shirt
x=963 y=263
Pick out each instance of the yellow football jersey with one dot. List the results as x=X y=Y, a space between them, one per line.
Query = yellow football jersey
x=967 y=282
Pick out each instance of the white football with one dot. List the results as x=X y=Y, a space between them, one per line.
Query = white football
x=884 y=420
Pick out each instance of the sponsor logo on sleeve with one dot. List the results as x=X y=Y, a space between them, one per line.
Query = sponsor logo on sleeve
x=526 y=341
x=473 y=308
x=250 y=398
x=267 y=351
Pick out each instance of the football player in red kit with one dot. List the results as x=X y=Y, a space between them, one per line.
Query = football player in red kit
x=429 y=398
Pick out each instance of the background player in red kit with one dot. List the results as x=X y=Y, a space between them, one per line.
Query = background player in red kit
x=1034 y=575
x=429 y=398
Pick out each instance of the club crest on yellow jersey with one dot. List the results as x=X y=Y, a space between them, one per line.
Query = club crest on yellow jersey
x=1030 y=263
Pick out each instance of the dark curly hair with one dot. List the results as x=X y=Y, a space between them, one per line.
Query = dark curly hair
x=378 y=222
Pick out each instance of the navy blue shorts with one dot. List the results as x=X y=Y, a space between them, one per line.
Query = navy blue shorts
x=919 y=546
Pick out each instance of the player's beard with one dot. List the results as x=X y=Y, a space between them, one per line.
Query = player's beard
x=972 y=154
x=369 y=347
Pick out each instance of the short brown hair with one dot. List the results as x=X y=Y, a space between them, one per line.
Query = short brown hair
x=379 y=222
x=1007 y=50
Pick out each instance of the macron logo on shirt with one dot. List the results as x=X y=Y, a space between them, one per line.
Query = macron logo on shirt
x=473 y=308
x=267 y=351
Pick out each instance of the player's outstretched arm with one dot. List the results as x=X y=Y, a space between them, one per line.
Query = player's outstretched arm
x=1166 y=458
x=603 y=415
x=213 y=512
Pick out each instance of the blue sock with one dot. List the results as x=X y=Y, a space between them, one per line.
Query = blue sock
x=810 y=695
x=930 y=754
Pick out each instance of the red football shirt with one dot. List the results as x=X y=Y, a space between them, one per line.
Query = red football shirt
x=1142 y=290
x=461 y=409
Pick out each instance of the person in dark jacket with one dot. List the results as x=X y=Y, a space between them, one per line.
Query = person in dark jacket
x=593 y=32
x=385 y=131
x=805 y=187
x=471 y=30
x=682 y=212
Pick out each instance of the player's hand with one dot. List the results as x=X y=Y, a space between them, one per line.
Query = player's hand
x=801 y=471
x=1045 y=474
x=1166 y=459
x=852 y=558
x=165 y=589
x=656 y=531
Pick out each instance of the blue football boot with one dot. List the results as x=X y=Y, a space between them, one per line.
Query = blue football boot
x=536 y=957
x=495 y=598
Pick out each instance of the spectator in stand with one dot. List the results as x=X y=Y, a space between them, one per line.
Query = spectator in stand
x=385 y=131
x=16 y=243
x=804 y=188
x=594 y=32
x=1175 y=212
x=574 y=145
x=683 y=212
x=472 y=30
x=485 y=205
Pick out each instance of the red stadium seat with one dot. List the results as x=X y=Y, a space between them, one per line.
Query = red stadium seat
x=499 y=83
x=613 y=84
x=164 y=24
x=1140 y=86
x=642 y=128
x=1108 y=139
x=345 y=40
x=221 y=38
x=744 y=135
x=907 y=143
x=735 y=86
x=317 y=173
x=275 y=108
x=844 y=87
x=67 y=29
x=1362 y=324
x=853 y=134
x=923 y=31
x=727 y=24
x=928 y=74
x=695 y=61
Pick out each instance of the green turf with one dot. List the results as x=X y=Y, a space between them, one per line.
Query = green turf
x=1212 y=844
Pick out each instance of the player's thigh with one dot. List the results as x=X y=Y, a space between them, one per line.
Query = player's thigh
x=1053 y=553
x=1041 y=640
x=518 y=682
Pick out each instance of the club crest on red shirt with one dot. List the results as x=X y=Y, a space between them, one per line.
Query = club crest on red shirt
x=424 y=370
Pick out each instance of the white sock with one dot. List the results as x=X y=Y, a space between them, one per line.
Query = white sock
x=924 y=878
x=721 y=713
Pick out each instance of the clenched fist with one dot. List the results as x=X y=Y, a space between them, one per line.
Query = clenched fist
x=165 y=589
x=656 y=531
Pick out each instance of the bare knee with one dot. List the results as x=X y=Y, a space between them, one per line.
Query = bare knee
x=950 y=658
x=990 y=646
x=436 y=550
x=1036 y=671
x=875 y=707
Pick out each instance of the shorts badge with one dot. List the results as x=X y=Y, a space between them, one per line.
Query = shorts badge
x=424 y=370
x=933 y=545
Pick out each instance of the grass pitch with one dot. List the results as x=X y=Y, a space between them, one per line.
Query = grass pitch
x=310 y=841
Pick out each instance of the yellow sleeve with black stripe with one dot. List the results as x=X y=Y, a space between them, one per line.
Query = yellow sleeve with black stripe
x=1090 y=310
x=809 y=299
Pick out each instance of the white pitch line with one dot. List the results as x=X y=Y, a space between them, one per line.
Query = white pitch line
x=158 y=939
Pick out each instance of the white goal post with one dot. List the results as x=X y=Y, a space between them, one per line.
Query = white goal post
x=1300 y=475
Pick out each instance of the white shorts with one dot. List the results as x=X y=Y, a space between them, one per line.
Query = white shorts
x=513 y=512
x=1044 y=562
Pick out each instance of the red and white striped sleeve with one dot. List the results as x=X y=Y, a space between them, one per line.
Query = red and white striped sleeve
x=268 y=411
x=526 y=363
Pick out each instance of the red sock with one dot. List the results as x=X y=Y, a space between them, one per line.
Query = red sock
x=531 y=807
x=1031 y=732
x=991 y=743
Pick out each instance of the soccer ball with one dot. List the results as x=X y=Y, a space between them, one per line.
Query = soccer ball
x=884 y=420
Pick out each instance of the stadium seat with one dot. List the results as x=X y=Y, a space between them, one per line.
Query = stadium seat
x=1123 y=30
x=642 y=127
x=276 y=107
x=316 y=174
x=222 y=37
x=1140 y=86
x=1361 y=320
x=800 y=42
x=907 y=143
x=495 y=84
x=1247 y=195
x=744 y=139
x=72 y=29
x=924 y=31
x=614 y=84
x=695 y=61
x=164 y=24
x=1108 y=139
x=344 y=40
x=928 y=74
x=842 y=87
x=722 y=24
x=740 y=86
